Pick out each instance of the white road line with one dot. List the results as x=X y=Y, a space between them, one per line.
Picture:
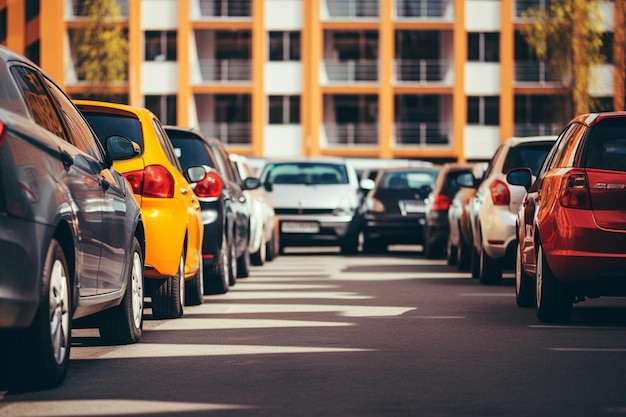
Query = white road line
x=588 y=349
x=485 y=294
x=574 y=327
x=342 y=310
x=228 y=323
x=270 y=295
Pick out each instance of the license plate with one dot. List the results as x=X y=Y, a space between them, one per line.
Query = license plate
x=300 y=227
x=412 y=206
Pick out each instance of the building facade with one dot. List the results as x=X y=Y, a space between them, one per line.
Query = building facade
x=442 y=80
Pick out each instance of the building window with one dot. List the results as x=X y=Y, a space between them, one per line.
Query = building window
x=3 y=25
x=607 y=47
x=160 y=46
x=32 y=52
x=163 y=107
x=31 y=9
x=483 y=47
x=483 y=111
x=284 y=110
x=284 y=46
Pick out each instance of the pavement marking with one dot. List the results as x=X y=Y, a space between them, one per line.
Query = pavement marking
x=588 y=349
x=574 y=327
x=485 y=294
x=228 y=323
x=395 y=276
x=258 y=285
x=438 y=317
x=269 y=295
x=108 y=407
x=343 y=310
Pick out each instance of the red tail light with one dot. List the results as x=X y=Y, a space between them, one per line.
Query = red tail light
x=3 y=133
x=500 y=194
x=211 y=186
x=441 y=203
x=575 y=191
x=153 y=181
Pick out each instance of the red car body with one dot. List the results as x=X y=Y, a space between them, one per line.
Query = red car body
x=572 y=222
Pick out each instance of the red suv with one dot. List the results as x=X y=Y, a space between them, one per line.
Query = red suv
x=572 y=224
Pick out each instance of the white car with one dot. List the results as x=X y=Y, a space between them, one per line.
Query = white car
x=316 y=200
x=493 y=209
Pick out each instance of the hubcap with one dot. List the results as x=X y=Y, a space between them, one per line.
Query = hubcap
x=137 y=290
x=181 y=281
x=518 y=271
x=539 y=275
x=225 y=261
x=59 y=312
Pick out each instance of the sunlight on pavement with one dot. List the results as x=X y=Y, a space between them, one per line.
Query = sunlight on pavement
x=227 y=323
x=108 y=407
x=270 y=295
x=260 y=285
x=345 y=310
x=396 y=276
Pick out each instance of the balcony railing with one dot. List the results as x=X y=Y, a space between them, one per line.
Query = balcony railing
x=351 y=71
x=225 y=8
x=423 y=71
x=226 y=70
x=353 y=8
x=522 y=6
x=538 y=73
x=537 y=129
x=228 y=133
x=423 y=134
x=78 y=9
x=424 y=9
x=351 y=134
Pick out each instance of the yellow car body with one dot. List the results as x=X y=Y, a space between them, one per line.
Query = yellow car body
x=171 y=210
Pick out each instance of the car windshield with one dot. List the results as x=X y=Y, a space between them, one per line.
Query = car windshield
x=528 y=155
x=105 y=125
x=406 y=180
x=190 y=151
x=305 y=173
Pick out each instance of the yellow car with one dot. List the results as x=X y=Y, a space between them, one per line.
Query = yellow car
x=170 y=209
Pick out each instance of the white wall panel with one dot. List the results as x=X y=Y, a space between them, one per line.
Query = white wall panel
x=282 y=141
x=283 y=78
x=159 y=78
x=481 y=141
x=482 y=78
x=159 y=15
x=482 y=15
x=283 y=14
x=601 y=81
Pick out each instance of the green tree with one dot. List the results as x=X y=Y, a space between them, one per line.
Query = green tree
x=100 y=48
x=567 y=36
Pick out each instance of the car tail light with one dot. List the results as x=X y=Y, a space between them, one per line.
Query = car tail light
x=210 y=186
x=376 y=206
x=500 y=194
x=153 y=181
x=575 y=191
x=441 y=203
x=3 y=133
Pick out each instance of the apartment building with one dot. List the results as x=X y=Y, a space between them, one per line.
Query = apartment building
x=443 y=80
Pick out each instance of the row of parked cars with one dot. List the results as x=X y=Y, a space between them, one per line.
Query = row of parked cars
x=102 y=207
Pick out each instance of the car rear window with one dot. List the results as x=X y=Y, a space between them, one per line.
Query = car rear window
x=190 y=151
x=405 y=180
x=305 y=173
x=529 y=155
x=106 y=125
x=607 y=145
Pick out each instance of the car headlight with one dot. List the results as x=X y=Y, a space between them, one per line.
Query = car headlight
x=344 y=208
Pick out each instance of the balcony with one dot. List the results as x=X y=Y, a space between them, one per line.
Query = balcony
x=423 y=133
x=222 y=9
x=537 y=129
x=424 y=71
x=522 y=7
x=425 y=9
x=76 y=9
x=538 y=73
x=352 y=71
x=228 y=133
x=351 y=9
x=225 y=70
x=351 y=134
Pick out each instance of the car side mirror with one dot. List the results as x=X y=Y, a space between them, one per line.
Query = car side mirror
x=268 y=187
x=366 y=184
x=251 y=183
x=120 y=148
x=520 y=176
x=195 y=173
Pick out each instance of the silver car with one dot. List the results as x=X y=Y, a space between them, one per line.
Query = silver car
x=316 y=200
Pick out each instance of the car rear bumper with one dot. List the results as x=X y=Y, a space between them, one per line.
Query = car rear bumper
x=498 y=233
x=395 y=229
x=165 y=232
x=332 y=230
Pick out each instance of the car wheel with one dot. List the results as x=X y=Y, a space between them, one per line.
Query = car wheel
x=243 y=264
x=474 y=263
x=216 y=281
x=350 y=246
x=38 y=357
x=123 y=324
x=463 y=256
x=168 y=297
x=490 y=269
x=270 y=249
x=524 y=284
x=554 y=303
x=431 y=249
x=194 y=288
x=232 y=264
x=451 y=253
x=259 y=257
x=373 y=246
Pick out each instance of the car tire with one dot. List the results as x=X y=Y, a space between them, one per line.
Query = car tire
x=463 y=256
x=270 y=251
x=451 y=253
x=373 y=246
x=168 y=297
x=432 y=250
x=38 y=357
x=243 y=264
x=217 y=279
x=194 y=288
x=123 y=324
x=490 y=269
x=350 y=245
x=232 y=264
x=524 y=284
x=554 y=303
x=474 y=263
x=259 y=257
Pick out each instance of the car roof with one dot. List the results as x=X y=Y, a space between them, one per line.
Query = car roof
x=514 y=141
x=107 y=106
x=326 y=159
x=434 y=168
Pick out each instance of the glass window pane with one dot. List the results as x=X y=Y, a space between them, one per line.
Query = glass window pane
x=294 y=46
x=294 y=109
x=276 y=46
x=276 y=110
x=473 y=47
x=492 y=47
x=492 y=111
x=473 y=110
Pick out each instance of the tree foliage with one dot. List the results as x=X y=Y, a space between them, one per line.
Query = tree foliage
x=100 y=47
x=567 y=36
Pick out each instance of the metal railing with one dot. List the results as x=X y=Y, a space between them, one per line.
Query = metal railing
x=351 y=134
x=537 y=129
x=522 y=6
x=423 y=133
x=225 y=70
x=228 y=133
x=353 y=8
x=225 y=8
x=536 y=72
x=351 y=71
x=422 y=9
x=79 y=11
x=422 y=71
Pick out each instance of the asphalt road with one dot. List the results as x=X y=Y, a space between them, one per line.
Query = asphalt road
x=315 y=333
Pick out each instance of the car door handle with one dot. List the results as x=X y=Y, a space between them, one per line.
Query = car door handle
x=184 y=191
x=242 y=199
